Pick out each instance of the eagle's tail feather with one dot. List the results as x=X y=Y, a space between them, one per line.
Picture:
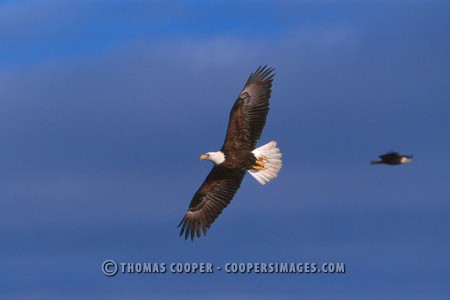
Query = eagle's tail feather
x=270 y=156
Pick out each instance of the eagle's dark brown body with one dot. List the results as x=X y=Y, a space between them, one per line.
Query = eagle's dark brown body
x=241 y=160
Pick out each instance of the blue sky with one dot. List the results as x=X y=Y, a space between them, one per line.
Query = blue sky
x=106 y=107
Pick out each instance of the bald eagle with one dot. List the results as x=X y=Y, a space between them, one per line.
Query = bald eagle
x=393 y=158
x=237 y=156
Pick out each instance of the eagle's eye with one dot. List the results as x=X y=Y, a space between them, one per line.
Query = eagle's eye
x=207 y=155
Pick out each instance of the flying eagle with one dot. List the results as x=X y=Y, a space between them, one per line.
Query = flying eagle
x=393 y=158
x=237 y=156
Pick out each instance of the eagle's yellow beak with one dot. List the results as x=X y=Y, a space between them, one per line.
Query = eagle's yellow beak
x=203 y=157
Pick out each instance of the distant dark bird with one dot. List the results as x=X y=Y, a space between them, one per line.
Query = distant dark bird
x=393 y=158
x=237 y=155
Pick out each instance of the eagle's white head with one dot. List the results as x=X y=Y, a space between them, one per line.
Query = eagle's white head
x=406 y=159
x=216 y=157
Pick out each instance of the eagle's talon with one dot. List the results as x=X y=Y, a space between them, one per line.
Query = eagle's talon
x=259 y=168
x=259 y=163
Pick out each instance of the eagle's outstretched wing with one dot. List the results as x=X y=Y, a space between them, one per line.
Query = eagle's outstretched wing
x=249 y=113
x=212 y=197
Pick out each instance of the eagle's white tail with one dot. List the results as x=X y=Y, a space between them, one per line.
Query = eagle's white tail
x=270 y=156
